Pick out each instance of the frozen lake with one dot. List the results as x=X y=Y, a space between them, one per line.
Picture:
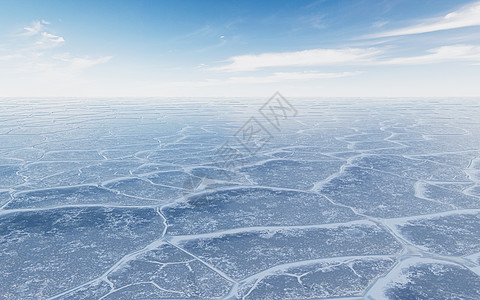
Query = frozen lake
x=239 y=199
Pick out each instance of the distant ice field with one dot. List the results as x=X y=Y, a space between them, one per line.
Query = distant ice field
x=286 y=198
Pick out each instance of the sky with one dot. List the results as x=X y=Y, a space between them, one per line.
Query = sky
x=316 y=48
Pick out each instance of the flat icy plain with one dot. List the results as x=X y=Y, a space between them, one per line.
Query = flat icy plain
x=210 y=199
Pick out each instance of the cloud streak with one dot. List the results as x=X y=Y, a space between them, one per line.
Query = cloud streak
x=289 y=76
x=306 y=58
x=48 y=40
x=441 y=54
x=35 y=28
x=340 y=57
x=466 y=16
x=44 y=39
x=76 y=64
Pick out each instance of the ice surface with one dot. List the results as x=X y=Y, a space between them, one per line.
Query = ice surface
x=242 y=253
x=160 y=199
x=143 y=189
x=412 y=168
x=454 y=234
x=94 y=290
x=316 y=279
x=429 y=279
x=175 y=273
x=291 y=174
x=72 y=196
x=4 y=198
x=237 y=208
x=9 y=176
x=379 y=194
x=172 y=178
x=44 y=252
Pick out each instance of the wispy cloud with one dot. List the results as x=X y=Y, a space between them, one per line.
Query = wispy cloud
x=56 y=66
x=379 y=24
x=340 y=57
x=289 y=76
x=43 y=38
x=80 y=63
x=48 y=40
x=466 y=16
x=35 y=51
x=35 y=28
x=306 y=58
x=315 y=21
x=441 y=54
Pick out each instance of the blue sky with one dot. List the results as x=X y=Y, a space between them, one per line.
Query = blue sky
x=320 y=48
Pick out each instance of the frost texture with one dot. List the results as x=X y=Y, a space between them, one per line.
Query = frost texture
x=130 y=199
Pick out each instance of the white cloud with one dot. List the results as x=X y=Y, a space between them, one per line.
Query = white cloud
x=81 y=63
x=289 y=76
x=338 y=57
x=34 y=29
x=33 y=62
x=306 y=58
x=464 y=17
x=43 y=38
x=48 y=40
x=442 y=54
x=379 y=24
x=35 y=53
